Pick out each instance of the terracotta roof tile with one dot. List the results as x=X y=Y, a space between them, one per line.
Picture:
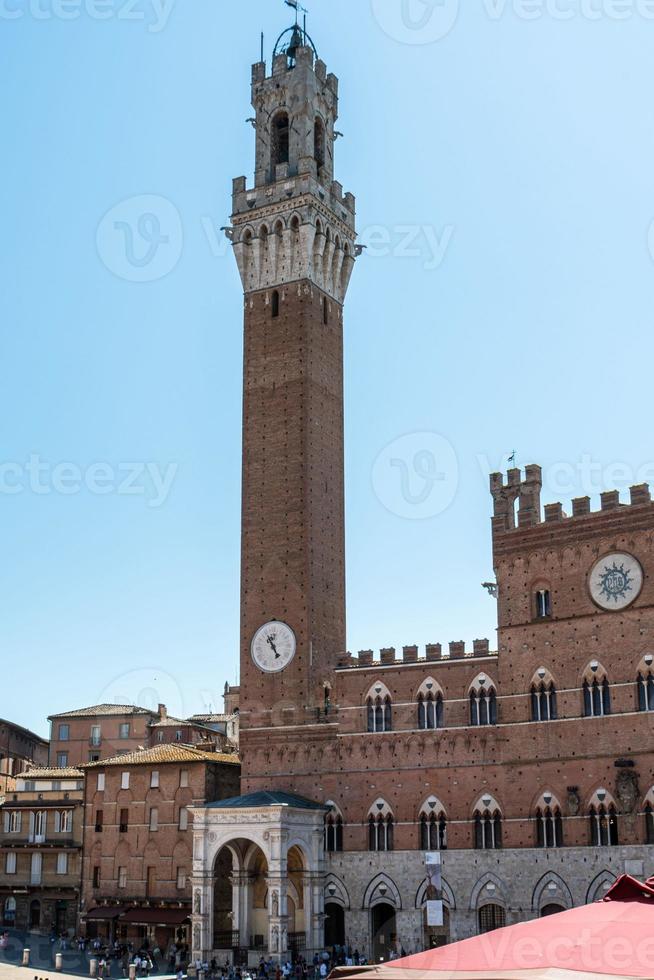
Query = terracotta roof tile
x=163 y=754
x=100 y=710
x=67 y=773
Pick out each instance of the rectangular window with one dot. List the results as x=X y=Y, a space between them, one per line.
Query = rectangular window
x=183 y=818
x=99 y=821
x=160 y=736
x=122 y=877
x=154 y=780
x=154 y=818
x=181 y=879
x=124 y=781
x=96 y=735
x=124 y=821
x=179 y=736
x=66 y=821
x=62 y=864
x=124 y=730
x=37 y=864
x=94 y=756
x=183 y=778
x=96 y=876
x=100 y=782
x=10 y=864
x=62 y=760
x=64 y=733
x=13 y=821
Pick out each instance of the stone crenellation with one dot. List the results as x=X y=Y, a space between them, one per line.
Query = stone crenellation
x=411 y=655
x=517 y=501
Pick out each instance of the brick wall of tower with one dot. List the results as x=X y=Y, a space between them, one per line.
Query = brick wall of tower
x=293 y=541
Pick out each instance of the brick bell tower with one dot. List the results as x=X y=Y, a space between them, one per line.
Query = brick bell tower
x=294 y=240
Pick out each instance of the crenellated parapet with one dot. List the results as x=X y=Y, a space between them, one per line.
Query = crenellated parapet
x=433 y=653
x=517 y=502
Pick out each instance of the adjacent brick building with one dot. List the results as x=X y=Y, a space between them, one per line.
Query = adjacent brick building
x=40 y=851
x=19 y=749
x=106 y=730
x=138 y=838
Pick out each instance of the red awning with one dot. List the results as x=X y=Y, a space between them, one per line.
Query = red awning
x=106 y=913
x=158 y=917
x=611 y=938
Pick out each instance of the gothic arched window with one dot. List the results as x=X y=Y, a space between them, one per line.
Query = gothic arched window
x=544 y=705
x=491 y=917
x=430 y=706
x=333 y=831
x=379 y=710
x=483 y=703
x=597 y=698
x=645 y=691
x=380 y=827
x=488 y=825
x=281 y=132
x=433 y=826
x=603 y=818
x=549 y=827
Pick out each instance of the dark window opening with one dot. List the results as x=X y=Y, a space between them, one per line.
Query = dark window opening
x=275 y=304
x=603 y=826
x=319 y=142
x=280 y=139
x=543 y=604
x=433 y=832
x=491 y=917
x=543 y=703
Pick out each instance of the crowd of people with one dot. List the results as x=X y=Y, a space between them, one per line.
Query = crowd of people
x=297 y=968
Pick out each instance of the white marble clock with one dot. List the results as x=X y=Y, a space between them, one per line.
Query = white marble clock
x=616 y=581
x=273 y=647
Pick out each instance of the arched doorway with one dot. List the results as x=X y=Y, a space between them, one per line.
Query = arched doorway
x=334 y=925
x=239 y=899
x=297 y=936
x=383 y=931
x=223 y=915
x=35 y=915
x=551 y=909
x=9 y=917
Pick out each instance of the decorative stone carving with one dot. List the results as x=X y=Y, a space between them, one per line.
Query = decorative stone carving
x=574 y=803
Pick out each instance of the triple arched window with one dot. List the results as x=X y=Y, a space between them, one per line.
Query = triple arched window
x=488 y=825
x=430 y=706
x=603 y=820
x=483 y=702
x=549 y=822
x=597 y=697
x=333 y=831
x=433 y=826
x=544 y=705
x=380 y=711
x=380 y=827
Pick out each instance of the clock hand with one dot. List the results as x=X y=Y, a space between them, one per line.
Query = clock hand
x=271 y=643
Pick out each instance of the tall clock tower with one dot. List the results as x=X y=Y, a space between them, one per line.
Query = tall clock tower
x=294 y=240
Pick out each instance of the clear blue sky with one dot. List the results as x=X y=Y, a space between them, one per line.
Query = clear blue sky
x=517 y=155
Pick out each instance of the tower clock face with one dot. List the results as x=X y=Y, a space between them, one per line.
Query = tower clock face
x=273 y=647
x=616 y=581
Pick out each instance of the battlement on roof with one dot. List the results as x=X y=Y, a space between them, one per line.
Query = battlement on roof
x=433 y=653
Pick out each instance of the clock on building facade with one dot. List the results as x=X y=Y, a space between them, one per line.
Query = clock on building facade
x=273 y=647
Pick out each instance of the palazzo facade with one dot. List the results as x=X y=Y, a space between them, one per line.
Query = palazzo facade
x=528 y=763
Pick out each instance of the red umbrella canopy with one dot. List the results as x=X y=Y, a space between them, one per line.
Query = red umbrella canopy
x=612 y=938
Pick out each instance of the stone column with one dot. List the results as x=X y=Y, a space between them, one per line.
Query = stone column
x=314 y=911
x=278 y=917
x=202 y=918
